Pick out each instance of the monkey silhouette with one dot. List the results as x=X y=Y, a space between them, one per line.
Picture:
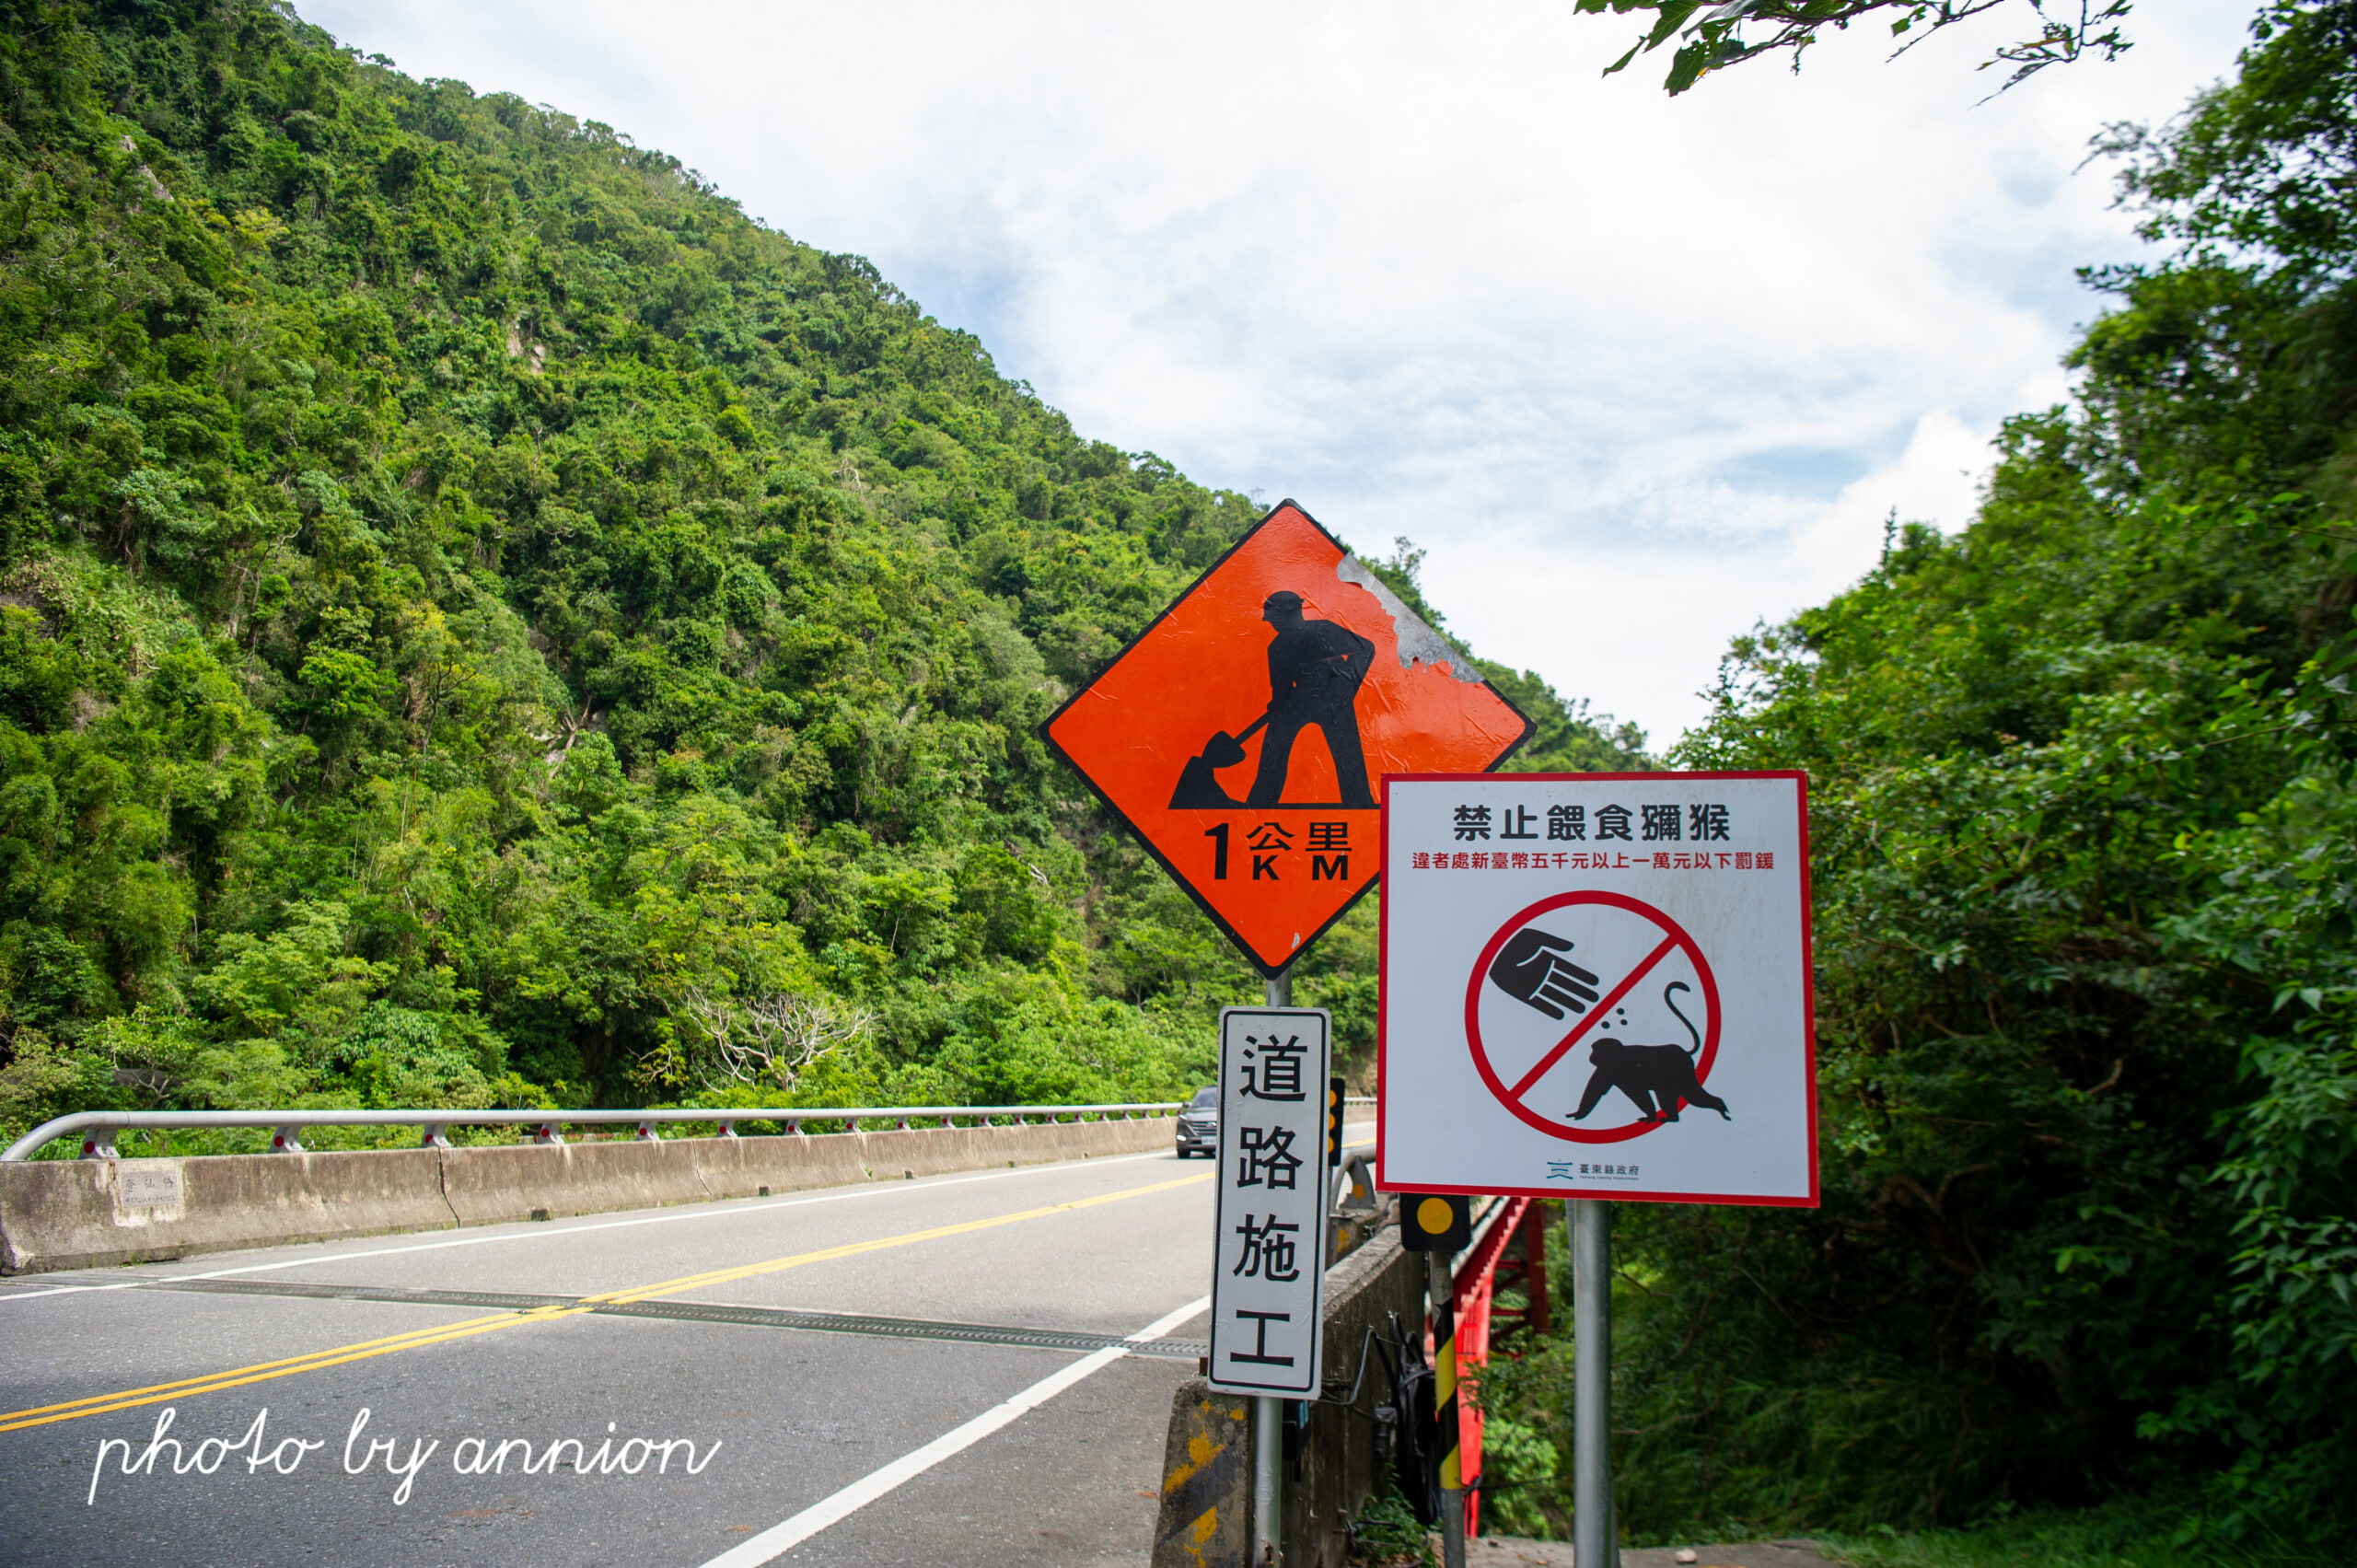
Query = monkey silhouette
x=1655 y=1077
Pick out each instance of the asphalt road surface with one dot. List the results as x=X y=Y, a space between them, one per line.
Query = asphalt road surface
x=967 y=1370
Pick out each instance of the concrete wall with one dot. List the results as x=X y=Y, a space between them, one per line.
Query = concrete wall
x=1334 y=1474
x=1204 y=1521
x=83 y=1214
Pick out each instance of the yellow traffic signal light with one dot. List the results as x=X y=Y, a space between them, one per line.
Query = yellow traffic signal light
x=1434 y=1221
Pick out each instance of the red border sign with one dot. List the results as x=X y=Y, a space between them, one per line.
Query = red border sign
x=1808 y=1001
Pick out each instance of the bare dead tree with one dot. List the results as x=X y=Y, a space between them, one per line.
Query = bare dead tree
x=770 y=1040
x=575 y=726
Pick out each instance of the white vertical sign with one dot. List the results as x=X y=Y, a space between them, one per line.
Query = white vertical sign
x=1268 y=1283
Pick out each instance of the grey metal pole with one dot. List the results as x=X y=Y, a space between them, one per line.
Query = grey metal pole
x=1268 y=1481
x=1593 y=1542
x=1268 y=1414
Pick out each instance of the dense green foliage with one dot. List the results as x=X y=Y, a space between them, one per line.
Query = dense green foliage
x=2126 y=1532
x=482 y=621
x=2085 y=807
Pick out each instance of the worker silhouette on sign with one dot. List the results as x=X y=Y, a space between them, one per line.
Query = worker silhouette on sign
x=1315 y=669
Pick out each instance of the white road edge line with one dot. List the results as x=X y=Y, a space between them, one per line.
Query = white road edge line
x=783 y=1538
x=544 y=1233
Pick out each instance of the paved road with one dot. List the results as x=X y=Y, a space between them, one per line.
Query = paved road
x=971 y=1369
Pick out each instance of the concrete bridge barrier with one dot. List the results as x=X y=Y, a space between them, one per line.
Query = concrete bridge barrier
x=754 y=1167
x=81 y=1214
x=494 y=1185
x=90 y=1212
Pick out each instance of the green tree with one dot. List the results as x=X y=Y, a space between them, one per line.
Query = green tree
x=2080 y=783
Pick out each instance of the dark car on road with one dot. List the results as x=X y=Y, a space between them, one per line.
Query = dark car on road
x=1199 y=1126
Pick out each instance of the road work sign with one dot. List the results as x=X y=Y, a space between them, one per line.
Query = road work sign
x=1597 y=985
x=1267 y=1282
x=1245 y=735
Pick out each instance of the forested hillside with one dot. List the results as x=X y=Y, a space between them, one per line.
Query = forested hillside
x=487 y=624
x=2085 y=786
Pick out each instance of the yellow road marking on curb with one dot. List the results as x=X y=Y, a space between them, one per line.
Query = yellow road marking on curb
x=260 y=1372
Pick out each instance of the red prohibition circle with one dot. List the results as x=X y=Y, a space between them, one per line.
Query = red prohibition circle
x=1506 y=1096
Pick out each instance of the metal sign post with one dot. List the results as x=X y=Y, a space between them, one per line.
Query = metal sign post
x=1594 y=1539
x=1268 y=1413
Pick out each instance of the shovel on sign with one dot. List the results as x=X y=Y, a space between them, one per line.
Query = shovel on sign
x=1199 y=787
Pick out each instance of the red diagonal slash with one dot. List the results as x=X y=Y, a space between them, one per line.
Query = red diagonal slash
x=1611 y=999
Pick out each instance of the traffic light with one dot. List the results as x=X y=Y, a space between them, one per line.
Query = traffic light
x=1434 y=1221
x=1333 y=1123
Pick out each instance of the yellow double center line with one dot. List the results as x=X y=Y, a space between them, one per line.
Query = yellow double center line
x=261 y=1372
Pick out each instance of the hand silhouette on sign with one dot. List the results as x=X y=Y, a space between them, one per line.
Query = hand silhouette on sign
x=1533 y=972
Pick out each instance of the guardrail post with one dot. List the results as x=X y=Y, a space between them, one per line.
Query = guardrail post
x=647 y=1134
x=287 y=1140
x=436 y=1137
x=97 y=1144
x=794 y=1125
x=547 y=1132
x=728 y=1129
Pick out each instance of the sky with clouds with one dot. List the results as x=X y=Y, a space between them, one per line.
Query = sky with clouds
x=1636 y=372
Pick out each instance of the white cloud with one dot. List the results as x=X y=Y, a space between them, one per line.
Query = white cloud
x=1638 y=371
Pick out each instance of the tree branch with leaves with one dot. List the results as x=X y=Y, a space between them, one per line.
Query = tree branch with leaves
x=1713 y=37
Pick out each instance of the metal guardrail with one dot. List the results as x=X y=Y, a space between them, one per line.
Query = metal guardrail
x=99 y=1127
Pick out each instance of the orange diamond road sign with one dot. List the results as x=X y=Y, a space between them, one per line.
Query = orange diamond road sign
x=1246 y=734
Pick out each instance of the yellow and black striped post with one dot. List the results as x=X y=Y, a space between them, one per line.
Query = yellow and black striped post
x=1440 y=1227
x=1453 y=1489
x=1442 y=1289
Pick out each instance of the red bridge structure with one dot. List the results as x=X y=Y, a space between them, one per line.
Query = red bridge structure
x=1509 y=1253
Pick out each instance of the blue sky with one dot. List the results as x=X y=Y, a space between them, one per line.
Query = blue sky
x=1637 y=372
